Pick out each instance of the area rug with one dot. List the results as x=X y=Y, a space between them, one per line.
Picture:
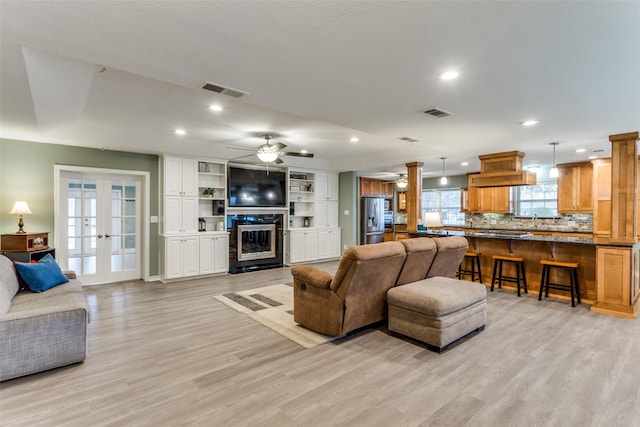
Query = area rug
x=272 y=306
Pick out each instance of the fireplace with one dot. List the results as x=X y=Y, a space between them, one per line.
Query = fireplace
x=255 y=241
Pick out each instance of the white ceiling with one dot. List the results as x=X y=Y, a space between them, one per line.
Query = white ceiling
x=124 y=75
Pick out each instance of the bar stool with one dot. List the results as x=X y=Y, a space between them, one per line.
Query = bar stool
x=546 y=284
x=475 y=260
x=520 y=276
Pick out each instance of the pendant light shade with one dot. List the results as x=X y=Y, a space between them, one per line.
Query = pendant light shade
x=553 y=172
x=443 y=179
x=402 y=182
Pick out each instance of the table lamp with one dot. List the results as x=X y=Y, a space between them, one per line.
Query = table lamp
x=20 y=208
x=432 y=220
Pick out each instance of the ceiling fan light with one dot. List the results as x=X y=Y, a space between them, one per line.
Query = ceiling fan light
x=402 y=184
x=267 y=153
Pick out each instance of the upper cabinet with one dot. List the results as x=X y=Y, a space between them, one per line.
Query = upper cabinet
x=488 y=200
x=180 y=177
x=575 y=188
x=602 y=197
x=376 y=188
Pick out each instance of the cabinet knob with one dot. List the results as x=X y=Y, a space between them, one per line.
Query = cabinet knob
x=99 y=236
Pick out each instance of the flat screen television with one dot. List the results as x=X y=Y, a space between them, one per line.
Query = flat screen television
x=256 y=188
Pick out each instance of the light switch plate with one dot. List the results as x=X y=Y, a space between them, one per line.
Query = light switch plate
x=153 y=219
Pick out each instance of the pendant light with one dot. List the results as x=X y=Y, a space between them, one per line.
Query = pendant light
x=402 y=181
x=553 y=172
x=443 y=179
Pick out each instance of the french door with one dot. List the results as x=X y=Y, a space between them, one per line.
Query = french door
x=99 y=222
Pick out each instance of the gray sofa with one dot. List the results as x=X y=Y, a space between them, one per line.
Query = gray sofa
x=40 y=331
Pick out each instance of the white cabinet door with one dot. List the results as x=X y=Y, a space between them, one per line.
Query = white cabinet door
x=310 y=245
x=173 y=258
x=326 y=213
x=333 y=191
x=189 y=177
x=172 y=214
x=221 y=254
x=320 y=219
x=329 y=243
x=333 y=214
x=207 y=253
x=296 y=246
x=189 y=215
x=190 y=257
x=172 y=176
x=322 y=184
x=214 y=253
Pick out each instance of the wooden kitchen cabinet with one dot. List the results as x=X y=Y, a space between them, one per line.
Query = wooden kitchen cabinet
x=489 y=199
x=370 y=187
x=575 y=188
x=387 y=190
x=602 y=197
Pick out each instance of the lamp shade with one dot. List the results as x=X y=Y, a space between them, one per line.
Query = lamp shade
x=20 y=208
x=267 y=153
x=432 y=219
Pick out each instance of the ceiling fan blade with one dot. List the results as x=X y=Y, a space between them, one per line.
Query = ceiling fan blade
x=279 y=146
x=277 y=161
x=241 y=148
x=293 y=153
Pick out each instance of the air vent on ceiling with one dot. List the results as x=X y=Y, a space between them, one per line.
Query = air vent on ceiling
x=236 y=93
x=437 y=112
x=407 y=139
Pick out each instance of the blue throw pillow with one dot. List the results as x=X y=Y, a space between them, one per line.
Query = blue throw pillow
x=43 y=275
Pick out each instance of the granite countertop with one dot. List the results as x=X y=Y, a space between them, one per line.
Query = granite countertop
x=522 y=235
x=534 y=230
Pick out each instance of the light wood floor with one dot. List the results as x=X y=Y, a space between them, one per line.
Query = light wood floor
x=167 y=355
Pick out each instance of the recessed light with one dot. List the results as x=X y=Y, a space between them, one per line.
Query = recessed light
x=581 y=150
x=449 y=75
x=529 y=122
x=464 y=164
x=303 y=151
x=592 y=157
x=215 y=107
x=354 y=139
x=180 y=131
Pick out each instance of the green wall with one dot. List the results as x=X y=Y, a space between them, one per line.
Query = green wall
x=456 y=181
x=349 y=198
x=26 y=173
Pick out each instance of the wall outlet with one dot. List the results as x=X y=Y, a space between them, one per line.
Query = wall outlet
x=153 y=219
x=346 y=211
x=345 y=247
x=571 y=223
x=494 y=222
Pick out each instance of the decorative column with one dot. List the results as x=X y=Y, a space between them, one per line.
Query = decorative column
x=624 y=190
x=617 y=259
x=414 y=195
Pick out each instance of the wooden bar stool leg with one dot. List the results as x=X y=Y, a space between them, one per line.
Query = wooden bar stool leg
x=479 y=270
x=518 y=278
x=493 y=277
x=473 y=269
x=500 y=276
x=575 y=274
x=524 y=278
x=542 y=279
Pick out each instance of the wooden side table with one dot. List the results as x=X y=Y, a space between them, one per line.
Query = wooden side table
x=29 y=256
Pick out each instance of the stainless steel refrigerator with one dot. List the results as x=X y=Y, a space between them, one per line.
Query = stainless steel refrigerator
x=372 y=220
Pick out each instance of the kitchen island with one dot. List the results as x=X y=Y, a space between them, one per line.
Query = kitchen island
x=600 y=261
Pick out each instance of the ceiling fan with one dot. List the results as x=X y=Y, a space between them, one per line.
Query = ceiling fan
x=270 y=153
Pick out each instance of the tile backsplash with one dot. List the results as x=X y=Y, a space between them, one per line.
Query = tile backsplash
x=574 y=222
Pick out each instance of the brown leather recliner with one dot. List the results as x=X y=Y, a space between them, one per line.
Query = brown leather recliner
x=355 y=296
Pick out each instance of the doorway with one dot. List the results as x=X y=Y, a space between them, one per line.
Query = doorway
x=99 y=228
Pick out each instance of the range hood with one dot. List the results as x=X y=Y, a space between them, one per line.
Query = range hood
x=501 y=170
